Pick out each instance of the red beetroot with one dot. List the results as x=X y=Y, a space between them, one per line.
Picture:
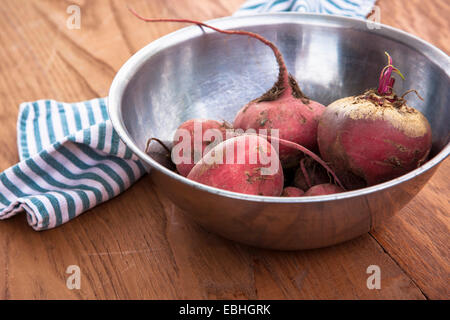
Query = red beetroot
x=283 y=107
x=286 y=108
x=373 y=137
x=246 y=164
x=200 y=133
x=323 y=189
x=292 y=192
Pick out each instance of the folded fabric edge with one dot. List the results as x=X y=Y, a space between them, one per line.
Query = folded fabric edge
x=19 y=206
x=38 y=216
x=25 y=203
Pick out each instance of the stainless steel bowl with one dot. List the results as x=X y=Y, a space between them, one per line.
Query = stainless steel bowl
x=196 y=73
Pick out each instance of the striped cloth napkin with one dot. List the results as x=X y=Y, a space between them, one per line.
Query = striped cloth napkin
x=71 y=159
x=347 y=8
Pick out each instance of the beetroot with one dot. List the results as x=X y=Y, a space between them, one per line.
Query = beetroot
x=286 y=108
x=246 y=164
x=292 y=192
x=240 y=172
x=310 y=174
x=323 y=189
x=373 y=137
x=283 y=107
x=200 y=134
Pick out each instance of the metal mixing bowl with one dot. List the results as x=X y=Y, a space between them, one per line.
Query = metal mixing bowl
x=196 y=73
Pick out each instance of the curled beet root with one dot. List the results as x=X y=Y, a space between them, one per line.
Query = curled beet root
x=309 y=174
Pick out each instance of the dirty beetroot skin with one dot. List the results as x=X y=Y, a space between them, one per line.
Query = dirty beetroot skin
x=185 y=167
x=374 y=137
x=244 y=177
x=283 y=107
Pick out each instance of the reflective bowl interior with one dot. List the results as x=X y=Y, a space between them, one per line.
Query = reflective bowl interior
x=196 y=73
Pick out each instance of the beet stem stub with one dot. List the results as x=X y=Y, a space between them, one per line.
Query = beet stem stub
x=386 y=83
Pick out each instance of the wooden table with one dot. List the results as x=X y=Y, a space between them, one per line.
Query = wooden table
x=139 y=245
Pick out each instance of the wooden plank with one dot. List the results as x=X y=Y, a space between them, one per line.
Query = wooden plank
x=139 y=245
x=425 y=19
x=417 y=238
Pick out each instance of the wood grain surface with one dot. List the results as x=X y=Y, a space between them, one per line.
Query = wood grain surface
x=139 y=245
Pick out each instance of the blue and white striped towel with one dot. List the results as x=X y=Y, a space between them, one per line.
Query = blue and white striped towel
x=347 y=8
x=71 y=159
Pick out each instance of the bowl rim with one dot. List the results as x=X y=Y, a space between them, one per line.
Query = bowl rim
x=133 y=64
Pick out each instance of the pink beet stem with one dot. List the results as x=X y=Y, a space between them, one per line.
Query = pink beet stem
x=386 y=83
x=305 y=173
x=278 y=56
